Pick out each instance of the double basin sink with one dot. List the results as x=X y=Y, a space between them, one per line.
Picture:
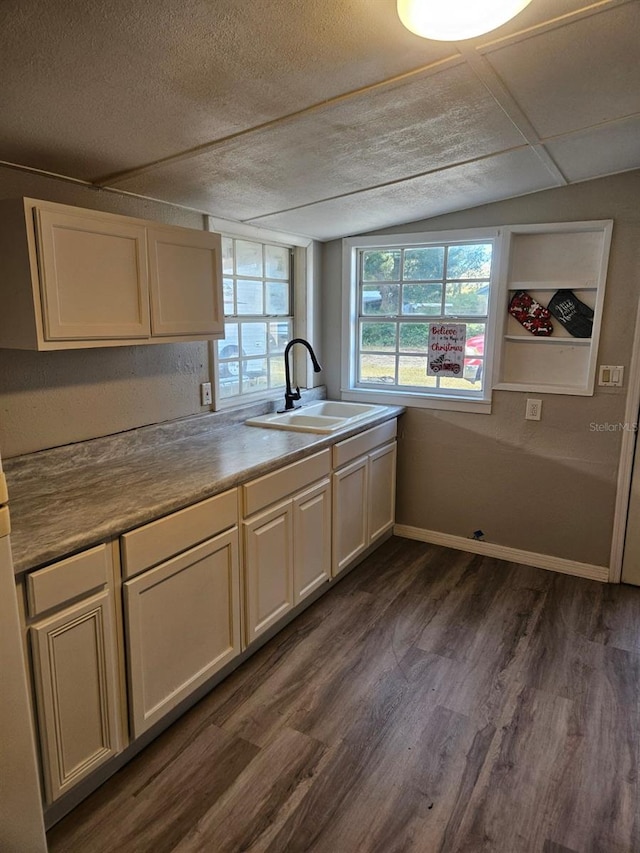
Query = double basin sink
x=323 y=417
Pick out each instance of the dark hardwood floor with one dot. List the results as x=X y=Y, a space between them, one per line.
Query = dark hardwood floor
x=434 y=701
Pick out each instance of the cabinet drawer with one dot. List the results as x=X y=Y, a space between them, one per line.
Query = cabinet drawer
x=155 y=542
x=63 y=581
x=273 y=487
x=345 y=451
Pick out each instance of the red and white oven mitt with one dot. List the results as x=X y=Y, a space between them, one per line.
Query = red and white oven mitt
x=533 y=316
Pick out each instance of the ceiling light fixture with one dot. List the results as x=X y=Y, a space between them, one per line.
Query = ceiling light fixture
x=455 y=20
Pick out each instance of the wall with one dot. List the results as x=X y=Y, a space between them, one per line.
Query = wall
x=549 y=486
x=49 y=399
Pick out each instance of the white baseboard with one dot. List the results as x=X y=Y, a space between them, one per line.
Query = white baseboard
x=503 y=552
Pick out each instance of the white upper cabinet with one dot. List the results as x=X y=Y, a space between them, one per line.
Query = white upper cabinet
x=93 y=276
x=81 y=278
x=186 y=295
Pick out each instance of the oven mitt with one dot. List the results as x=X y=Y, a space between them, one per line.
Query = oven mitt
x=574 y=315
x=533 y=316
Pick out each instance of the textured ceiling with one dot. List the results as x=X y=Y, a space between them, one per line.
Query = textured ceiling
x=319 y=118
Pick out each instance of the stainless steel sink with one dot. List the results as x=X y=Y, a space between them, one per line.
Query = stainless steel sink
x=323 y=417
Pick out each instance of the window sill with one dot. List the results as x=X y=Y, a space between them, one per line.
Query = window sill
x=417 y=401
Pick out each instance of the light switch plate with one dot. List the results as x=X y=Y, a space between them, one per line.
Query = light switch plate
x=611 y=375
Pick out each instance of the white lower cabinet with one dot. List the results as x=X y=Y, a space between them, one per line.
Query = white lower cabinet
x=381 y=492
x=75 y=667
x=287 y=545
x=363 y=492
x=349 y=513
x=268 y=542
x=182 y=626
x=311 y=539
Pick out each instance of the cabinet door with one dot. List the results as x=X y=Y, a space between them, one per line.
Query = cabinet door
x=183 y=625
x=186 y=282
x=349 y=513
x=311 y=539
x=382 y=490
x=76 y=682
x=93 y=276
x=268 y=541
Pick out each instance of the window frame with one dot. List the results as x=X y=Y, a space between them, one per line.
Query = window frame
x=304 y=319
x=468 y=401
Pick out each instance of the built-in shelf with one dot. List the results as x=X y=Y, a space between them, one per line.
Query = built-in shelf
x=542 y=259
x=553 y=285
x=550 y=339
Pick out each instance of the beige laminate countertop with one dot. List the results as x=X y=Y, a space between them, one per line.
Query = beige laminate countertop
x=70 y=498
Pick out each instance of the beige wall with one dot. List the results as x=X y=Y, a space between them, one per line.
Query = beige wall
x=547 y=487
x=49 y=399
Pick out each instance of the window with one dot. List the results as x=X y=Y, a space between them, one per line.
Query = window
x=257 y=286
x=398 y=293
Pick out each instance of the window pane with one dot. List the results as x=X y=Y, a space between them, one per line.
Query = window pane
x=276 y=372
x=467 y=298
x=381 y=265
x=380 y=299
x=378 y=369
x=422 y=299
x=227 y=255
x=248 y=258
x=473 y=261
x=279 y=336
x=249 y=295
x=413 y=371
x=414 y=337
x=228 y=346
x=229 y=386
x=378 y=336
x=253 y=337
x=426 y=263
x=474 y=354
x=254 y=373
x=276 y=262
x=227 y=291
x=461 y=384
x=277 y=298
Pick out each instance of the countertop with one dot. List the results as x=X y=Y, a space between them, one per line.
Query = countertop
x=70 y=498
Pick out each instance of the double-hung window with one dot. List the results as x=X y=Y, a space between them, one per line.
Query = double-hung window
x=402 y=294
x=258 y=308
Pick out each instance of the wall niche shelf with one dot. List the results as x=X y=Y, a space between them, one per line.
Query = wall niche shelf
x=552 y=339
x=542 y=259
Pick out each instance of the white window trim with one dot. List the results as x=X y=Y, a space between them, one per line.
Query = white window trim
x=451 y=402
x=303 y=304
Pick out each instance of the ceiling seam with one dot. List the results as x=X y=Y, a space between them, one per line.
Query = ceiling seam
x=551 y=24
x=426 y=71
x=394 y=182
x=597 y=126
x=486 y=74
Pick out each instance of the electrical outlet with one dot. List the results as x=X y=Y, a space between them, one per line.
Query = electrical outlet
x=205 y=394
x=534 y=410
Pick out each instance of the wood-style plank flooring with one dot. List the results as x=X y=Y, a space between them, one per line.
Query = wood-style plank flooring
x=434 y=701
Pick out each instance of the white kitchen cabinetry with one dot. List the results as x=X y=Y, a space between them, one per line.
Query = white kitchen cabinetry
x=77 y=278
x=183 y=615
x=75 y=663
x=363 y=492
x=184 y=267
x=542 y=259
x=287 y=539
